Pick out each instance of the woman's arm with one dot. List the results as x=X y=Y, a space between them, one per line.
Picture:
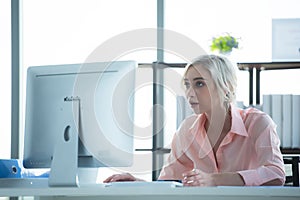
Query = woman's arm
x=121 y=177
x=198 y=178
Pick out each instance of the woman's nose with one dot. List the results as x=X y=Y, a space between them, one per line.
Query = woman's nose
x=190 y=92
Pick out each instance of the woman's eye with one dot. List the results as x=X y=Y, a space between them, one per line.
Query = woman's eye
x=199 y=84
x=187 y=85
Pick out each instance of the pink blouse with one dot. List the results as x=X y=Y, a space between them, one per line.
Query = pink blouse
x=251 y=148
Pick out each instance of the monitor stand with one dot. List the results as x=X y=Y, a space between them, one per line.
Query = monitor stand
x=64 y=167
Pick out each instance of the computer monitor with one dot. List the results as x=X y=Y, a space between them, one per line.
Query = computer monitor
x=94 y=101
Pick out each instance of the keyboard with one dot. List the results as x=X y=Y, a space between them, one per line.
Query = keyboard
x=153 y=184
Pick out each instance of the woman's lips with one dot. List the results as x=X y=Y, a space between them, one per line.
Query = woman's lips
x=194 y=104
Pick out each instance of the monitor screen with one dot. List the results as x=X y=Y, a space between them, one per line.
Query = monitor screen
x=95 y=99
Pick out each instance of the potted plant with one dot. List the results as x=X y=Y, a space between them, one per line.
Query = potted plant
x=224 y=44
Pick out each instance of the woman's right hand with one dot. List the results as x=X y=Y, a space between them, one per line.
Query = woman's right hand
x=121 y=177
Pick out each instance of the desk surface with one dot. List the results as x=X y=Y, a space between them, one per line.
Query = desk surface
x=148 y=192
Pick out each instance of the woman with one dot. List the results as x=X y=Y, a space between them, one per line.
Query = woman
x=221 y=144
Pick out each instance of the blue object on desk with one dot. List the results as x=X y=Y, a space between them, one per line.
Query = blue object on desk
x=13 y=168
x=10 y=168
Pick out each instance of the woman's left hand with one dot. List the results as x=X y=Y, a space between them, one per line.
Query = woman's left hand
x=197 y=177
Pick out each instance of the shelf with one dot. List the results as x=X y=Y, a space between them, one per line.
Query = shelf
x=290 y=150
x=269 y=65
x=293 y=160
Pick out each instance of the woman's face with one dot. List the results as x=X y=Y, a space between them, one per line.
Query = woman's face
x=199 y=89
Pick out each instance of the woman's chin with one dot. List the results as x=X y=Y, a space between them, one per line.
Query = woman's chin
x=196 y=111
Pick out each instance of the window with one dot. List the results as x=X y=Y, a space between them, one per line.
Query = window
x=68 y=31
x=5 y=78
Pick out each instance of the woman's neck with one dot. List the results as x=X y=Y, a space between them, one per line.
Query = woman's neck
x=218 y=116
x=218 y=124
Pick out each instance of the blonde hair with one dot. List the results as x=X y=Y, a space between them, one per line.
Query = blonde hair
x=223 y=73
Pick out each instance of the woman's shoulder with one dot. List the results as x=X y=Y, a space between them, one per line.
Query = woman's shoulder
x=183 y=133
x=254 y=113
x=189 y=122
x=191 y=119
x=254 y=117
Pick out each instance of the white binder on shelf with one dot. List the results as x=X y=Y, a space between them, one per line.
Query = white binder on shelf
x=277 y=113
x=287 y=120
x=267 y=104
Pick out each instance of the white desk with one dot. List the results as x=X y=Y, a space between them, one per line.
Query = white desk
x=157 y=193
